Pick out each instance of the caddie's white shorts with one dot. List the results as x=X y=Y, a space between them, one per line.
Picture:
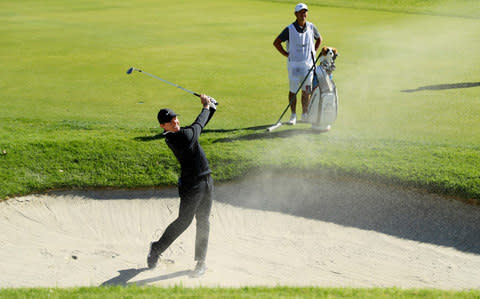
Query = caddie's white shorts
x=296 y=73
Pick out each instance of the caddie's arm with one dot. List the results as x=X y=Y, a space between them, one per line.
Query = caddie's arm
x=317 y=43
x=277 y=43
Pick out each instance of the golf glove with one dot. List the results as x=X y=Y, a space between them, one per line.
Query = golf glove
x=213 y=103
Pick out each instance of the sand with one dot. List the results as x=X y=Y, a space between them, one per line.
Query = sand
x=266 y=230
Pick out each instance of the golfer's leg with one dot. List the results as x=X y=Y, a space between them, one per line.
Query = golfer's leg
x=203 y=220
x=188 y=206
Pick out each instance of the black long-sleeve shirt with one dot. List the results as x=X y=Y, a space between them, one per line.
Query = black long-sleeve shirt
x=186 y=148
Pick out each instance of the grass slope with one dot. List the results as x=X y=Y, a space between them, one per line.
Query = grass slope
x=71 y=118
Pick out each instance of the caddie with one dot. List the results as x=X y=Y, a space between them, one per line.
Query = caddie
x=302 y=40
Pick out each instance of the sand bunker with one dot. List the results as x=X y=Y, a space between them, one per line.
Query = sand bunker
x=266 y=230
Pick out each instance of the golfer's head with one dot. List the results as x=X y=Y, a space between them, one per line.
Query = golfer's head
x=168 y=120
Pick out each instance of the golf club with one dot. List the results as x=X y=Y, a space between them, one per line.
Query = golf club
x=279 y=122
x=132 y=69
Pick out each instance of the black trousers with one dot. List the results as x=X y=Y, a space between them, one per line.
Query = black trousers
x=196 y=198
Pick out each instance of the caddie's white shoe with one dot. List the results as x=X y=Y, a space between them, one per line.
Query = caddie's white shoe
x=293 y=119
x=304 y=117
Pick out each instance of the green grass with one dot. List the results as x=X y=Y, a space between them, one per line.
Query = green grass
x=247 y=292
x=452 y=8
x=71 y=118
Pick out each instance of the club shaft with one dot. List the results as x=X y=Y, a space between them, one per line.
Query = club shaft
x=168 y=82
x=130 y=70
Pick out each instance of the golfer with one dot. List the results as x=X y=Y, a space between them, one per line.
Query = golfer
x=302 y=40
x=195 y=185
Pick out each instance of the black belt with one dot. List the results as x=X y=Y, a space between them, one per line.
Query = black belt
x=193 y=179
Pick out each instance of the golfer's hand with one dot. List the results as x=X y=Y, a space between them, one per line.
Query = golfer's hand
x=205 y=100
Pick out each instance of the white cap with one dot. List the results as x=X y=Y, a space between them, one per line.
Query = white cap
x=301 y=6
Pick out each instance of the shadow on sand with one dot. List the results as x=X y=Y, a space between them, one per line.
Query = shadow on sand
x=403 y=213
x=124 y=276
x=406 y=214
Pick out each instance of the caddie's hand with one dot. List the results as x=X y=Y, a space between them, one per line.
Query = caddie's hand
x=205 y=100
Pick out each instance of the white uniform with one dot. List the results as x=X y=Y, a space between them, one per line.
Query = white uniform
x=300 y=47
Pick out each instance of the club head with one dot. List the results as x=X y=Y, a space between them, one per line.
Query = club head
x=130 y=70
x=275 y=126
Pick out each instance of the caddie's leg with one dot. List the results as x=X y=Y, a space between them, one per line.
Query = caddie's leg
x=292 y=99
x=306 y=94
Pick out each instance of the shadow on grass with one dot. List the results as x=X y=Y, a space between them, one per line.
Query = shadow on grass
x=261 y=134
x=255 y=128
x=269 y=135
x=444 y=86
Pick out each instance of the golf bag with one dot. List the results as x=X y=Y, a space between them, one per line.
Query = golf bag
x=323 y=107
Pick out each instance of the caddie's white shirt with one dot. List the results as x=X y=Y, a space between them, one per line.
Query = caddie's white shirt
x=300 y=45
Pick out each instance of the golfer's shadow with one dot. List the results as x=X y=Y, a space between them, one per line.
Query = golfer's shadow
x=126 y=275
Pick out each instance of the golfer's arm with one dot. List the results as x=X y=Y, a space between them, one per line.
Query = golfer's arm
x=201 y=122
x=277 y=43
x=210 y=115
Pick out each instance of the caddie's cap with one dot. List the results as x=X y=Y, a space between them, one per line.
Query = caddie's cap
x=165 y=115
x=301 y=6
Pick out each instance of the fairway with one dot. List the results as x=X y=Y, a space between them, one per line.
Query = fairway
x=407 y=78
x=72 y=121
